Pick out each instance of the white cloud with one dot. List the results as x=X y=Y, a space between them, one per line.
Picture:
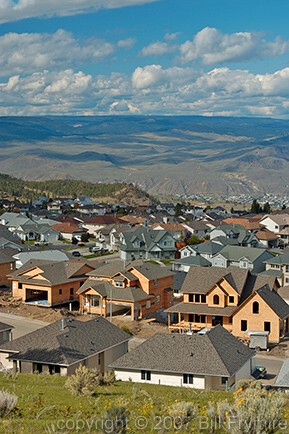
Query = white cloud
x=157 y=49
x=14 y=10
x=211 y=46
x=126 y=43
x=150 y=89
x=29 y=52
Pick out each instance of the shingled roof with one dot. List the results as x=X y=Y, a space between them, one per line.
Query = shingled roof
x=78 y=340
x=275 y=301
x=200 y=280
x=216 y=353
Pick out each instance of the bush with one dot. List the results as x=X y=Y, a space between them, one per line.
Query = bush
x=83 y=382
x=115 y=420
x=126 y=330
x=8 y=402
x=182 y=413
x=108 y=378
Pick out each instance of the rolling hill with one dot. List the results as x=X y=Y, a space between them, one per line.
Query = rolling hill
x=177 y=154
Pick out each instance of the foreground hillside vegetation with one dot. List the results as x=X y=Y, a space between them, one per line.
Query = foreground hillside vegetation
x=46 y=405
x=29 y=190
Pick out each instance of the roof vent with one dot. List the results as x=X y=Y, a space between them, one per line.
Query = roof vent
x=191 y=355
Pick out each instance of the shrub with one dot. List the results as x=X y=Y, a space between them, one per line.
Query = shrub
x=115 y=420
x=182 y=413
x=8 y=402
x=127 y=330
x=108 y=378
x=83 y=382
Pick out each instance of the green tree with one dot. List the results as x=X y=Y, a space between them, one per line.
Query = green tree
x=255 y=207
x=267 y=208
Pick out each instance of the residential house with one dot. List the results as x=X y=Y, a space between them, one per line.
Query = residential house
x=49 y=283
x=177 y=231
x=278 y=266
x=7 y=265
x=137 y=290
x=232 y=297
x=5 y=333
x=242 y=257
x=63 y=346
x=267 y=239
x=68 y=231
x=279 y=225
x=242 y=236
x=48 y=255
x=184 y=264
x=94 y=223
x=199 y=228
x=214 y=360
x=147 y=244
x=282 y=379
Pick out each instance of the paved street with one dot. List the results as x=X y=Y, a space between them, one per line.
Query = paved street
x=22 y=325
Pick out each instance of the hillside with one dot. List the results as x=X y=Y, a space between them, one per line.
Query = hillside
x=129 y=194
x=163 y=155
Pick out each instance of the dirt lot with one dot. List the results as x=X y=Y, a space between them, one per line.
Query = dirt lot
x=142 y=329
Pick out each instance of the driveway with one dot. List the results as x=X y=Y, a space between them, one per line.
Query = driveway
x=22 y=325
x=272 y=364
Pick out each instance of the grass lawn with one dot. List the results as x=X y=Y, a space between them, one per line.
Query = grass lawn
x=46 y=406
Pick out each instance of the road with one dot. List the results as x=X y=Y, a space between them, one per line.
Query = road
x=22 y=325
x=272 y=364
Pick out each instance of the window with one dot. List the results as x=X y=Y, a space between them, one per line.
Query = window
x=224 y=380
x=287 y=279
x=191 y=298
x=244 y=264
x=94 y=301
x=71 y=291
x=148 y=304
x=188 y=379
x=255 y=307
x=119 y=284
x=203 y=298
x=11 y=265
x=267 y=326
x=197 y=318
x=146 y=375
x=197 y=298
x=60 y=291
x=155 y=282
x=216 y=299
x=19 y=285
x=231 y=299
x=243 y=325
x=158 y=298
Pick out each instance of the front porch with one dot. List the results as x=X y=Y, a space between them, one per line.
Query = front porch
x=183 y=322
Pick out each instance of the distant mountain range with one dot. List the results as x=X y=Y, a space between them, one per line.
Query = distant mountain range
x=176 y=154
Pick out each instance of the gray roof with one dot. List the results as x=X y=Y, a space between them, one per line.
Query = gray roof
x=54 y=272
x=236 y=253
x=78 y=340
x=148 y=239
x=201 y=279
x=202 y=309
x=47 y=255
x=151 y=271
x=179 y=278
x=275 y=301
x=195 y=261
x=106 y=289
x=208 y=247
x=4 y=327
x=280 y=259
x=282 y=379
x=216 y=353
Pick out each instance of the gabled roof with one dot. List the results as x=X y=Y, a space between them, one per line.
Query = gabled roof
x=275 y=301
x=197 y=261
x=54 y=272
x=78 y=340
x=201 y=279
x=280 y=259
x=208 y=247
x=5 y=327
x=216 y=353
x=106 y=289
x=151 y=271
x=236 y=253
x=282 y=379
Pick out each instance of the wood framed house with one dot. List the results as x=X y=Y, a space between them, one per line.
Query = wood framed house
x=49 y=283
x=138 y=290
x=214 y=296
x=215 y=360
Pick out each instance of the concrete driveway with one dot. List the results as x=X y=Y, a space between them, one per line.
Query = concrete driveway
x=272 y=364
x=22 y=325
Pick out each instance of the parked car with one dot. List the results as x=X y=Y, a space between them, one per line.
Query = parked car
x=259 y=372
x=95 y=249
x=40 y=243
x=76 y=253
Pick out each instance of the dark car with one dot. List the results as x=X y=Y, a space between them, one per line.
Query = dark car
x=76 y=253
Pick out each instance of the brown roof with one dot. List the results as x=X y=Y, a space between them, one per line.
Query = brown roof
x=247 y=223
x=67 y=228
x=172 y=227
x=201 y=279
x=264 y=234
x=101 y=220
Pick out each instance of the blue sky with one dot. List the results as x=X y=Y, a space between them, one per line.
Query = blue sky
x=171 y=57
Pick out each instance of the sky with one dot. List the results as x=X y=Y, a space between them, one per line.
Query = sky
x=144 y=57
